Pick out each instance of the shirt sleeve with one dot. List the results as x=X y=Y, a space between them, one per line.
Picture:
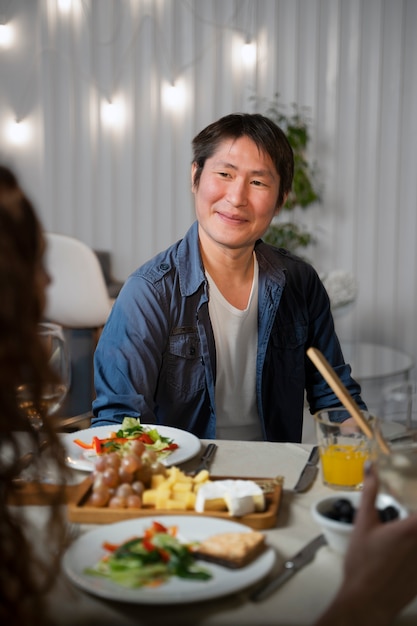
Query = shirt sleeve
x=128 y=355
x=323 y=337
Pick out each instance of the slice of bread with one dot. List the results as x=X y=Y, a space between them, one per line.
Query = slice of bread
x=232 y=550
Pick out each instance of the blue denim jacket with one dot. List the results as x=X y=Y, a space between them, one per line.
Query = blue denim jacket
x=156 y=358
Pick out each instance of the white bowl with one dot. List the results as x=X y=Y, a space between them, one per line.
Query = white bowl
x=338 y=533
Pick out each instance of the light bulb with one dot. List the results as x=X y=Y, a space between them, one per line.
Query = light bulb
x=112 y=113
x=17 y=132
x=249 y=53
x=64 y=5
x=174 y=95
x=6 y=35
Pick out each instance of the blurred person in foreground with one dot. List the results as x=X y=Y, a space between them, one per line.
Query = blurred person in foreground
x=379 y=578
x=28 y=564
x=211 y=335
x=379 y=569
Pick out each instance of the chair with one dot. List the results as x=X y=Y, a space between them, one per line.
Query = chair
x=78 y=300
x=113 y=285
x=77 y=296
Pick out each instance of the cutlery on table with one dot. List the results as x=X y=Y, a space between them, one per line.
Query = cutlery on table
x=288 y=569
x=205 y=460
x=309 y=472
x=73 y=422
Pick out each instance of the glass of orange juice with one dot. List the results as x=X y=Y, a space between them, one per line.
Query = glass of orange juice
x=343 y=447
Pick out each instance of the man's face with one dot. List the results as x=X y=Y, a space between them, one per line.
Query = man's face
x=237 y=195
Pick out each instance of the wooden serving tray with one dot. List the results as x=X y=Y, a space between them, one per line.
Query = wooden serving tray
x=41 y=494
x=79 y=512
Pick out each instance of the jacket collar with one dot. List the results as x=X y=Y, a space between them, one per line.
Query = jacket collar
x=191 y=269
x=190 y=264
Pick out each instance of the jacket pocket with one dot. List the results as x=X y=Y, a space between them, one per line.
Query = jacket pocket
x=184 y=368
x=288 y=351
x=289 y=337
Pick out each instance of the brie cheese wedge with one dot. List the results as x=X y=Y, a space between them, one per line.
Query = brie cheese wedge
x=239 y=497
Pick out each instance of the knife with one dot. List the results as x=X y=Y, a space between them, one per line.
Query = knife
x=288 y=569
x=309 y=472
x=206 y=459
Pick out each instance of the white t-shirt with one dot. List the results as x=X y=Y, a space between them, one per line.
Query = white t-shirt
x=236 y=336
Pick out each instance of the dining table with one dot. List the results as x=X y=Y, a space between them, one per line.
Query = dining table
x=298 y=602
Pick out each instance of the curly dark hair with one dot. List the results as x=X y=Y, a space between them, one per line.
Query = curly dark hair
x=28 y=567
x=267 y=136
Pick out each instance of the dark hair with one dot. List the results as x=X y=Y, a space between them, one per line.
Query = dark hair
x=26 y=571
x=268 y=137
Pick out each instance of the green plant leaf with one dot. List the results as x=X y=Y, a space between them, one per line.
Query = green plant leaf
x=288 y=235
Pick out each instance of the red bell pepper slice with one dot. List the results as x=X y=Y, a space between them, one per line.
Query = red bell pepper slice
x=145 y=438
x=147 y=544
x=171 y=446
x=159 y=528
x=96 y=445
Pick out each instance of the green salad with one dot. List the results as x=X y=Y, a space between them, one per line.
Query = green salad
x=149 y=560
x=130 y=430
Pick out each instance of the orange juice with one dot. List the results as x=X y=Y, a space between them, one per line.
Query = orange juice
x=342 y=465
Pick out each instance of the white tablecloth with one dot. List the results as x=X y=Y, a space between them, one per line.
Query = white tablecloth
x=298 y=602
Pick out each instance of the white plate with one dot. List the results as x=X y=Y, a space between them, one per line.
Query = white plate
x=87 y=550
x=80 y=459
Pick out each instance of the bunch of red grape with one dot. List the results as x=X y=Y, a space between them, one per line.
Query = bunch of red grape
x=120 y=478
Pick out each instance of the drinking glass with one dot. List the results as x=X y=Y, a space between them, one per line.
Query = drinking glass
x=343 y=448
x=54 y=393
x=398 y=470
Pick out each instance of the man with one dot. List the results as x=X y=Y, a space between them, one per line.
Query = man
x=211 y=335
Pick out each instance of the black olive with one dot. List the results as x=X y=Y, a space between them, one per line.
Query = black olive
x=342 y=510
x=388 y=514
x=345 y=510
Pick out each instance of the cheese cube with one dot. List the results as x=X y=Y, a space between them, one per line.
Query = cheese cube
x=180 y=486
x=156 y=480
x=201 y=477
x=175 y=504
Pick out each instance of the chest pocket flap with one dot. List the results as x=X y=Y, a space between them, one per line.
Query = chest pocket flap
x=184 y=342
x=289 y=336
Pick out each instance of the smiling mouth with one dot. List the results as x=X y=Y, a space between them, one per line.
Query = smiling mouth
x=231 y=218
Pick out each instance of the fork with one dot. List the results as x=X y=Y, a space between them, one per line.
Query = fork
x=205 y=460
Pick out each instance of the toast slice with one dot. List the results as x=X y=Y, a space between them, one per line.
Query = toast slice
x=231 y=550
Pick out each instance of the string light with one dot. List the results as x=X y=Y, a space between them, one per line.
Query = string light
x=174 y=95
x=18 y=132
x=249 y=53
x=113 y=113
x=6 y=35
x=64 y=5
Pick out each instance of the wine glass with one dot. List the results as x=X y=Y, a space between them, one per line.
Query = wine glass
x=53 y=393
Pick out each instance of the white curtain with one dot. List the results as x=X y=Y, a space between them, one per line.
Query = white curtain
x=126 y=188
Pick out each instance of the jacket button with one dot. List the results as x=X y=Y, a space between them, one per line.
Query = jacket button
x=164 y=266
